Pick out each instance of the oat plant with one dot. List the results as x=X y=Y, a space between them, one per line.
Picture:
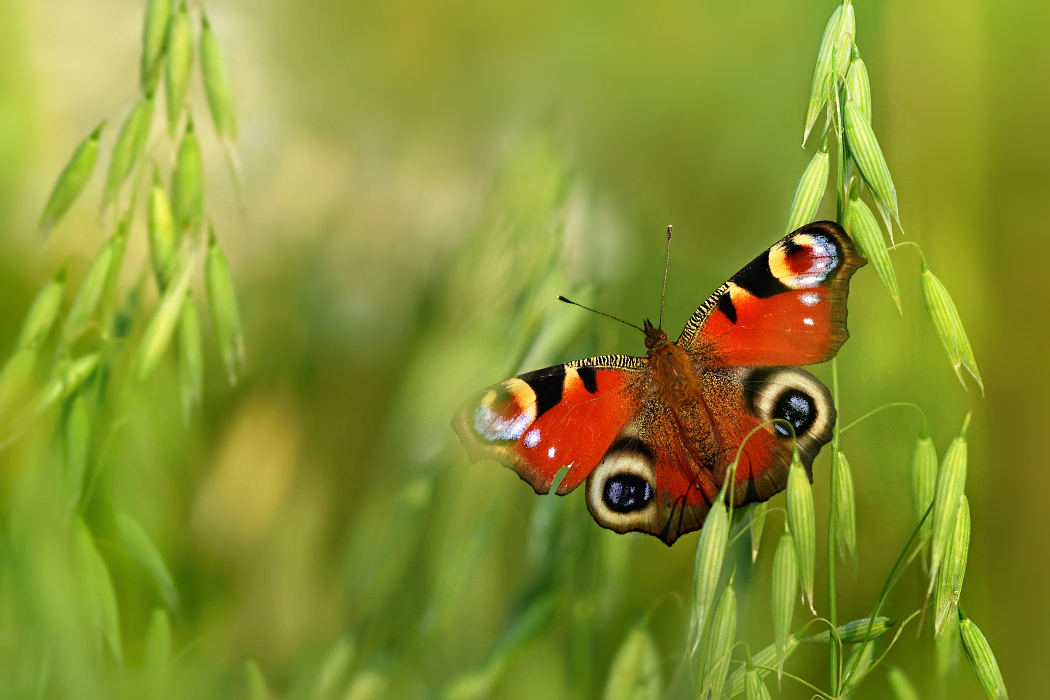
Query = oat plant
x=840 y=111
x=70 y=548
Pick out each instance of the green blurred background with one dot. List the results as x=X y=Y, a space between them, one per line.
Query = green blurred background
x=420 y=180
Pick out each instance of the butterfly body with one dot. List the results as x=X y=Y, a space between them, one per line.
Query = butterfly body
x=654 y=437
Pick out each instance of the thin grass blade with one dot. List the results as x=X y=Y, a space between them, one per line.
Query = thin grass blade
x=139 y=546
x=258 y=689
x=900 y=686
x=157 y=653
x=766 y=658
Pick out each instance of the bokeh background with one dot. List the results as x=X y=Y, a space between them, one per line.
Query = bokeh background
x=419 y=181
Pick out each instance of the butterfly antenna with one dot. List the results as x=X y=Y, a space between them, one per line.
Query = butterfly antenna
x=570 y=301
x=667 y=264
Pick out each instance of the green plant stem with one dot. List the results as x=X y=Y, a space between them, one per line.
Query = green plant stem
x=872 y=412
x=834 y=647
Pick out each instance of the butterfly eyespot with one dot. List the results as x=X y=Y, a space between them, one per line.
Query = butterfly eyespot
x=626 y=492
x=797 y=408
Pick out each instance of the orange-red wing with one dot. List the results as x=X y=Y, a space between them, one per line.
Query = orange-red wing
x=666 y=467
x=786 y=307
x=562 y=416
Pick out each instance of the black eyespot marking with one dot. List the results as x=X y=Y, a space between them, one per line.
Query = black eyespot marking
x=589 y=378
x=797 y=408
x=725 y=305
x=548 y=385
x=759 y=279
x=625 y=493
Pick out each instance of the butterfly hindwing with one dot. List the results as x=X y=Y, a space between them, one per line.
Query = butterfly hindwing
x=786 y=307
x=562 y=416
x=663 y=470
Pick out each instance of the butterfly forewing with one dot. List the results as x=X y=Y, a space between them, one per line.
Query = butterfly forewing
x=562 y=416
x=786 y=307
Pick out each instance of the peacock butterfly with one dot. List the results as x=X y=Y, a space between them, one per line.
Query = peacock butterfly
x=654 y=436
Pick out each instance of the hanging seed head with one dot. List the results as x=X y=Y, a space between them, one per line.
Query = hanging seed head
x=635 y=670
x=810 y=190
x=864 y=229
x=923 y=482
x=867 y=153
x=187 y=185
x=163 y=238
x=157 y=337
x=982 y=660
x=948 y=588
x=949 y=327
x=217 y=86
x=72 y=180
x=802 y=523
x=154 y=39
x=784 y=594
x=830 y=57
x=710 y=553
x=42 y=314
x=858 y=89
x=947 y=498
x=719 y=648
x=225 y=314
x=129 y=146
x=179 y=63
x=90 y=293
x=845 y=509
x=856 y=631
